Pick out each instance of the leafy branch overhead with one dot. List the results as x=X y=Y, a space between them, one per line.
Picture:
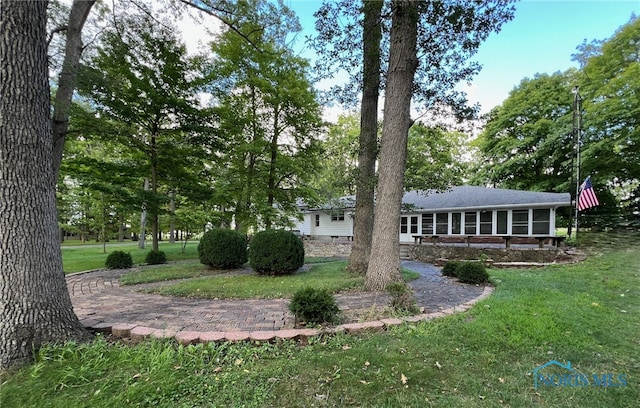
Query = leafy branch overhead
x=449 y=34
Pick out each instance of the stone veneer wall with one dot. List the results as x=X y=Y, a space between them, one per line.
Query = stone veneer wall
x=431 y=253
x=327 y=249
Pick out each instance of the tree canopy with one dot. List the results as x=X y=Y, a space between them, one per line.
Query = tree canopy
x=449 y=34
x=528 y=141
x=269 y=119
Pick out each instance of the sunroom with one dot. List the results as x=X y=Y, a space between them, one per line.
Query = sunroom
x=469 y=213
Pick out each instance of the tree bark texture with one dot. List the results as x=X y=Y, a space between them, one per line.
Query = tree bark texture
x=172 y=214
x=68 y=77
x=143 y=220
x=368 y=139
x=35 y=306
x=155 y=206
x=273 y=158
x=384 y=263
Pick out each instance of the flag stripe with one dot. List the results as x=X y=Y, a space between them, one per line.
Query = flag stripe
x=587 y=197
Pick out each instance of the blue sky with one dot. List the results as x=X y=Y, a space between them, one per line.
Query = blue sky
x=540 y=39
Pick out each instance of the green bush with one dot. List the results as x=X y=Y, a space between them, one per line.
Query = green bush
x=402 y=298
x=276 y=252
x=311 y=305
x=222 y=249
x=156 y=257
x=472 y=272
x=451 y=269
x=119 y=260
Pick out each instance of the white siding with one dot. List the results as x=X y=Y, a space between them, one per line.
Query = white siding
x=328 y=227
x=304 y=226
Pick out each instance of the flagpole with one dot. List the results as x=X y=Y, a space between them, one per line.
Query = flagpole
x=577 y=129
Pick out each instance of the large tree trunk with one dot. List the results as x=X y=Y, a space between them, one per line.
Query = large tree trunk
x=68 y=75
x=273 y=157
x=143 y=220
x=384 y=264
x=35 y=306
x=121 y=227
x=154 y=188
x=172 y=222
x=368 y=139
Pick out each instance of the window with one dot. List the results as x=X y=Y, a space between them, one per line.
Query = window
x=486 y=222
x=337 y=216
x=442 y=223
x=501 y=225
x=414 y=225
x=520 y=222
x=456 y=223
x=541 y=221
x=403 y=225
x=470 y=223
x=427 y=224
x=317 y=220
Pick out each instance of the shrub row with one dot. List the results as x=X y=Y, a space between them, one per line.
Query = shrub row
x=123 y=260
x=271 y=252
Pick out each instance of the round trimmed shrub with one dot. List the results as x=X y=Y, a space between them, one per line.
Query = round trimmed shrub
x=223 y=249
x=316 y=306
x=451 y=269
x=119 y=260
x=276 y=252
x=156 y=257
x=472 y=272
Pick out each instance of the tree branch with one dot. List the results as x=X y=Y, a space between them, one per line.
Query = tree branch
x=217 y=13
x=54 y=32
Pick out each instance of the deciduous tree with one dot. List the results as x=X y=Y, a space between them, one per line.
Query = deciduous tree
x=74 y=46
x=269 y=117
x=448 y=34
x=142 y=84
x=610 y=85
x=35 y=306
x=527 y=141
x=384 y=263
x=368 y=139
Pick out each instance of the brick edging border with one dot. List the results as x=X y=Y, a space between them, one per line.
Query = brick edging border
x=137 y=333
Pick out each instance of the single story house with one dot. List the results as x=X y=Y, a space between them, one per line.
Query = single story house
x=465 y=211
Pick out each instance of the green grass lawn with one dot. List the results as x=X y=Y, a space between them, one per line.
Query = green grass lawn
x=322 y=275
x=331 y=276
x=78 y=257
x=586 y=313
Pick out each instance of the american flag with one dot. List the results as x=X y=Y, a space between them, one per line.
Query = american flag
x=587 y=197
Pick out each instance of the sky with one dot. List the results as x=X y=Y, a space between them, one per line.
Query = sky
x=540 y=39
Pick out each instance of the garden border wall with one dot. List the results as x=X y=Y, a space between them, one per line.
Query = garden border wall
x=432 y=253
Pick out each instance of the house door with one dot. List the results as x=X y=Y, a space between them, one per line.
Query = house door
x=408 y=227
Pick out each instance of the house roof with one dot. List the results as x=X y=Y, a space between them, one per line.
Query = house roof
x=468 y=197
x=473 y=197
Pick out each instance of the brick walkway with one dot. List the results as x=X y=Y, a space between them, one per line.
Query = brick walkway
x=102 y=304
